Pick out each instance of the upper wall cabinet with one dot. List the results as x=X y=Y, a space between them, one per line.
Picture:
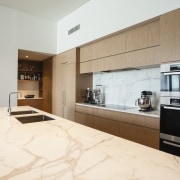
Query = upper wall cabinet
x=170 y=36
x=143 y=36
x=88 y=52
x=111 y=46
x=68 y=56
x=144 y=57
x=136 y=47
x=106 y=54
x=103 y=48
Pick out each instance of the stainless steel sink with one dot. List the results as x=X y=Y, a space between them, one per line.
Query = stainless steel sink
x=23 y=112
x=35 y=118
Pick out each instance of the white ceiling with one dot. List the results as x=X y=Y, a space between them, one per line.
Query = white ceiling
x=50 y=9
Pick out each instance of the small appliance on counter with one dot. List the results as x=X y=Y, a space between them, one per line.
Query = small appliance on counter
x=29 y=96
x=95 y=96
x=145 y=101
x=89 y=97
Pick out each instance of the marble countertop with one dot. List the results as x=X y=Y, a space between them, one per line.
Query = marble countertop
x=135 y=110
x=62 y=149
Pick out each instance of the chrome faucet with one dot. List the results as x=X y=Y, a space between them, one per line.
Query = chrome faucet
x=9 y=106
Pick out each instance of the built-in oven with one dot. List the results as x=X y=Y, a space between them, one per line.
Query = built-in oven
x=170 y=127
x=170 y=79
x=170 y=108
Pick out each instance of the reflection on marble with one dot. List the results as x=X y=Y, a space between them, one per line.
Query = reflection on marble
x=62 y=149
x=124 y=87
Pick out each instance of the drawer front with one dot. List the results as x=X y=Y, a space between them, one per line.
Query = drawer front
x=84 y=109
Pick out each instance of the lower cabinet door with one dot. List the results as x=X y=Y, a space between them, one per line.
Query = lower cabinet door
x=36 y=103
x=131 y=132
x=106 y=125
x=142 y=135
x=151 y=138
x=85 y=119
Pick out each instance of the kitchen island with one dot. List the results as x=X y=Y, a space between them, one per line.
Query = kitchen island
x=62 y=149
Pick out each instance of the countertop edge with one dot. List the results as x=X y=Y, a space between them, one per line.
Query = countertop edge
x=155 y=113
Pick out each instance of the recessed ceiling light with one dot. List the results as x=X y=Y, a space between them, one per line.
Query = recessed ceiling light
x=26 y=56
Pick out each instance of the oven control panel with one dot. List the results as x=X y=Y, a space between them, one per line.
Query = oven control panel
x=174 y=101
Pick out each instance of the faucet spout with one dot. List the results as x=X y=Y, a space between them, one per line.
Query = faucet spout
x=9 y=101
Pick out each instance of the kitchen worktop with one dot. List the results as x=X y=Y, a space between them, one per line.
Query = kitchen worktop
x=132 y=110
x=62 y=149
x=30 y=98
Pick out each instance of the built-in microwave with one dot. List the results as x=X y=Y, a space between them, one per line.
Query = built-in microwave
x=170 y=79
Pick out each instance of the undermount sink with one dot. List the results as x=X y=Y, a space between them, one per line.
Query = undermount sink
x=23 y=112
x=36 y=118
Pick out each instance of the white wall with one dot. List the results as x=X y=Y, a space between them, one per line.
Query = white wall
x=36 y=33
x=8 y=53
x=21 y=31
x=98 y=18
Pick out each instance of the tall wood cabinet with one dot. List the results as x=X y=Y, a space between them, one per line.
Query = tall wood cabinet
x=64 y=84
x=47 y=85
x=68 y=85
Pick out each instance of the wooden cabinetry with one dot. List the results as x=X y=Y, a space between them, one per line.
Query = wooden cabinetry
x=170 y=36
x=85 y=119
x=88 y=52
x=68 y=84
x=143 y=57
x=111 y=63
x=89 y=66
x=136 y=47
x=64 y=82
x=36 y=103
x=137 y=128
x=84 y=115
x=35 y=78
x=143 y=36
x=111 y=46
x=117 y=44
x=47 y=85
x=106 y=125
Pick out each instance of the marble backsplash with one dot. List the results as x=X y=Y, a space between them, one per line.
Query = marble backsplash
x=124 y=87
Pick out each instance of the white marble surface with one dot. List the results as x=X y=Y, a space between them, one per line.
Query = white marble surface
x=61 y=149
x=124 y=87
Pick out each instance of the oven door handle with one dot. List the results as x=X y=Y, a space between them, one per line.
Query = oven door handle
x=171 y=144
x=171 y=73
x=174 y=108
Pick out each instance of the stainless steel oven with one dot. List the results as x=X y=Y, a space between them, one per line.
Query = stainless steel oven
x=170 y=108
x=170 y=128
x=170 y=79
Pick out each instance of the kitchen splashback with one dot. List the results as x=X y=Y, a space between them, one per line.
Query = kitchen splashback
x=124 y=87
